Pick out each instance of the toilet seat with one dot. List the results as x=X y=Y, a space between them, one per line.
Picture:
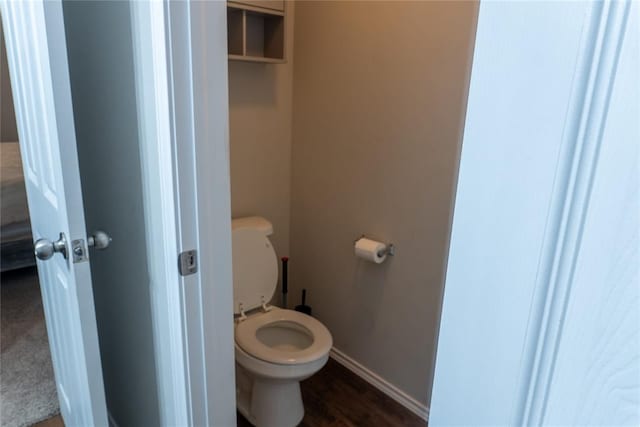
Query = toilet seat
x=246 y=337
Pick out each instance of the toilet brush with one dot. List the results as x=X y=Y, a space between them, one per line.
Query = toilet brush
x=303 y=308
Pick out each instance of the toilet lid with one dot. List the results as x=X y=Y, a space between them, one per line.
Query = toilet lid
x=247 y=339
x=255 y=269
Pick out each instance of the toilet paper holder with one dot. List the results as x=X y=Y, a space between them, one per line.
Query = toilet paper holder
x=389 y=248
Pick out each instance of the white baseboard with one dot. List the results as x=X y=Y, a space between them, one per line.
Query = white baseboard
x=381 y=384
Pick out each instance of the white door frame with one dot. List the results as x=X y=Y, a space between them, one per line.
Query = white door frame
x=181 y=73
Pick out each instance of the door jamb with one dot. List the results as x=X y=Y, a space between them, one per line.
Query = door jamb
x=181 y=73
x=156 y=156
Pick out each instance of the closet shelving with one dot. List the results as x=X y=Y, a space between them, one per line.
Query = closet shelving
x=256 y=31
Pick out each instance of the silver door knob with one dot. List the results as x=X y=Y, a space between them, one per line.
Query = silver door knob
x=99 y=240
x=45 y=248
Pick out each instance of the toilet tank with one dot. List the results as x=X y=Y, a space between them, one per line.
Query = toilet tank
x=255 y=265
x=256 y=222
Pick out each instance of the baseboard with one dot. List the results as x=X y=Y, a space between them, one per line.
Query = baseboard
x=381 y=384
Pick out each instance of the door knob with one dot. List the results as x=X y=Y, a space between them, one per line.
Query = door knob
x=45 y=248
x=99 y=240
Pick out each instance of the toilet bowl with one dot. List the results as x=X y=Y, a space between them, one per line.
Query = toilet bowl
x=275 y=348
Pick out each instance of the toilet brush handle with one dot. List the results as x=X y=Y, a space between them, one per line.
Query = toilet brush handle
x=285 y=278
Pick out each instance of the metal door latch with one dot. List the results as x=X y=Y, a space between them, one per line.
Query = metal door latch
x=79 y=251
x=188 y=262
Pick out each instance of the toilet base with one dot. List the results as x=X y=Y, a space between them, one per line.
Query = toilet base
x=267 y=402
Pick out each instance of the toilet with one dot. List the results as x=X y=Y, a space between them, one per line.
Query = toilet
x=275 y=348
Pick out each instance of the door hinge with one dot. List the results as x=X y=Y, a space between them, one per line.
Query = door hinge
x=188 y=262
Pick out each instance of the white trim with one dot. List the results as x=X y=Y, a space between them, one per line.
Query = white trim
x=158 y=176
x=380 y=383
x=198 y=94
x=181 y=70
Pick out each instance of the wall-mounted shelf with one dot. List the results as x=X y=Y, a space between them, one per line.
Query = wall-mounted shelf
x=256 y=31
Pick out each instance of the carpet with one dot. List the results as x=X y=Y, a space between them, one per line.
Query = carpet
x=27 y=385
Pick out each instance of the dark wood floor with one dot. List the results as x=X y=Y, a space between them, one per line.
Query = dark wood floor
x=335 y=397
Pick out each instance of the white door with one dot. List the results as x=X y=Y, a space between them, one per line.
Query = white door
x=541 y=314
x=37 y=57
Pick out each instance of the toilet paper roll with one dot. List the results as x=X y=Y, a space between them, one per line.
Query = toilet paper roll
x=370 y=250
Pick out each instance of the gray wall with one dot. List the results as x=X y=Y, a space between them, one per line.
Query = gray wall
x=8 y=131
x=102 y=85
x=379 y=100
x=260 y=97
